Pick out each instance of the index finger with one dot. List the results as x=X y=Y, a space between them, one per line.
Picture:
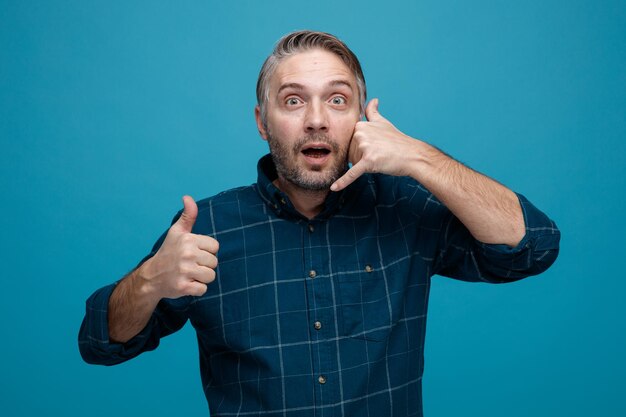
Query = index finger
x=349 y=177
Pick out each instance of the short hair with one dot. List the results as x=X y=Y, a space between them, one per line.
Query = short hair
x=301 y=41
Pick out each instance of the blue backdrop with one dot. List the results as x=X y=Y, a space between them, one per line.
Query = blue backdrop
x=111 y=111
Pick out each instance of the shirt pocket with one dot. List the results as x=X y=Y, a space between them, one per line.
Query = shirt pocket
x=366 y=310
x=219 y=322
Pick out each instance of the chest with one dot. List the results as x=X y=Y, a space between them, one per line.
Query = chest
x=291 y=282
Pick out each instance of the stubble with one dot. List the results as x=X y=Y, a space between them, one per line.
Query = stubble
x=315 y=179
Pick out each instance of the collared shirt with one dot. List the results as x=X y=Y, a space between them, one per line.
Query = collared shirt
x=322 y=317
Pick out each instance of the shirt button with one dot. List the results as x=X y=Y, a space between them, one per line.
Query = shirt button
x=282 y=201
x=311 y=228
x=368 y=268
x=317 y=325
x=321 y=379
x=312 y=273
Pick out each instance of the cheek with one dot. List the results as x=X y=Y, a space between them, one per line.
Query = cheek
x=284 y=126
x=347 y=130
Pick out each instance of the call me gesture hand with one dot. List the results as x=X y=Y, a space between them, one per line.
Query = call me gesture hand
x=378 y=146
x=490 y=211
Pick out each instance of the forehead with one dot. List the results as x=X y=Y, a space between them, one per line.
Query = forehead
x=311 y=68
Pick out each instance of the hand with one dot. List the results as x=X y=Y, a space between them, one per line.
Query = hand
x=377 y=146
x=185 y=263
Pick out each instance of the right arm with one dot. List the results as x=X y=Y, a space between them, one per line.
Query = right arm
x=131 y=305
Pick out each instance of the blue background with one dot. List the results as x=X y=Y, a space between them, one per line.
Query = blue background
x=111 y=111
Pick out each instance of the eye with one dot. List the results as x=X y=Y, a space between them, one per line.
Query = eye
x=338 y=100
x=292 y=101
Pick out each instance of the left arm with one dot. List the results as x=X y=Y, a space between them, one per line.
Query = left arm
x=490 y=211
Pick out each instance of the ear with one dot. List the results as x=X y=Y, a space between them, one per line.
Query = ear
x=259 y=122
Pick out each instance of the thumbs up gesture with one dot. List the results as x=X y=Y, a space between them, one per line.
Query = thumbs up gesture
x=378 y=146
x=185 y=263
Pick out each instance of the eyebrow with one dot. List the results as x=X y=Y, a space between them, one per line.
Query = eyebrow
x=300 y=87
x=293 y=86
x=337 y=83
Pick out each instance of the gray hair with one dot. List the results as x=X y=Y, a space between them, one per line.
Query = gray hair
x=300 y=41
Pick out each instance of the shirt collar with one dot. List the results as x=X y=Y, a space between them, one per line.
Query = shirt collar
x=278 y=201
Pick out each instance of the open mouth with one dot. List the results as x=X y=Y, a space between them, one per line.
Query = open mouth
x=316 y=150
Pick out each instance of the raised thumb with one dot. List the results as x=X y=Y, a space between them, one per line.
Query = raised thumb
x=186 y=221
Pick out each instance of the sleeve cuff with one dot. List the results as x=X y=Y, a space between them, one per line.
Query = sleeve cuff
x=94 y=342
x=537 y=225
x=536 y=251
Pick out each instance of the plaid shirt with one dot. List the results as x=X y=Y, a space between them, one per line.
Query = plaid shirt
x=322 y=317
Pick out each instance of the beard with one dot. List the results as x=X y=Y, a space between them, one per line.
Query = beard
x=315 y=179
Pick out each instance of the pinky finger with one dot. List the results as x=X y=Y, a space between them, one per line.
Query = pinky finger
x=196 y=288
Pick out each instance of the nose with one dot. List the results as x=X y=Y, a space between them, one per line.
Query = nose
x=316 y=119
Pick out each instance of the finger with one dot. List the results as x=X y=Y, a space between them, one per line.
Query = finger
x=196 y=288
x=207 y=259
x=207 y=243
x=202 y=274
x=371 y=111
x=349 y=177
x=186 y=221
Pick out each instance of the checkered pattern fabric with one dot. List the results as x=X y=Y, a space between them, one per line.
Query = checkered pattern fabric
x=322 y=317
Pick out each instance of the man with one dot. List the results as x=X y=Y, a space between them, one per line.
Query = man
x=318 y=303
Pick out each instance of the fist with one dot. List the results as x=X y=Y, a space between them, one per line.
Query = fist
x=186 y=262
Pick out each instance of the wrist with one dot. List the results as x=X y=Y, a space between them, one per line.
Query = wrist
x=144 y=285
x=424 y=161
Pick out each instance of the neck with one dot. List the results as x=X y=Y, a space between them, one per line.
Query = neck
x=309 y=203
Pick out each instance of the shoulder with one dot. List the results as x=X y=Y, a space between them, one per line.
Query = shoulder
x=228 y=209
x=238 y=195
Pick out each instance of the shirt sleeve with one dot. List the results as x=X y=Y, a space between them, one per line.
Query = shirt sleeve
x=459 y=255
x=93 y=338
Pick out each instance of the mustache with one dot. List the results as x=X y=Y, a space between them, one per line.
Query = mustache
x=315 y=138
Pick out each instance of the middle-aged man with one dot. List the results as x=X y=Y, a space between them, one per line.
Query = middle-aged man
x=318 y=305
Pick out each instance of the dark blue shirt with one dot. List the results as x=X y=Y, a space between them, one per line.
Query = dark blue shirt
x=322 y=317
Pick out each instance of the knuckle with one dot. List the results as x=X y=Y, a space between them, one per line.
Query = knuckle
x=363 y=146
x=187 y=238
x=186 y=253
x=184 y=270
x=180 y=286
x=200 y=290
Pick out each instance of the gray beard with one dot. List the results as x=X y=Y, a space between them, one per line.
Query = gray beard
x=284 y=160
